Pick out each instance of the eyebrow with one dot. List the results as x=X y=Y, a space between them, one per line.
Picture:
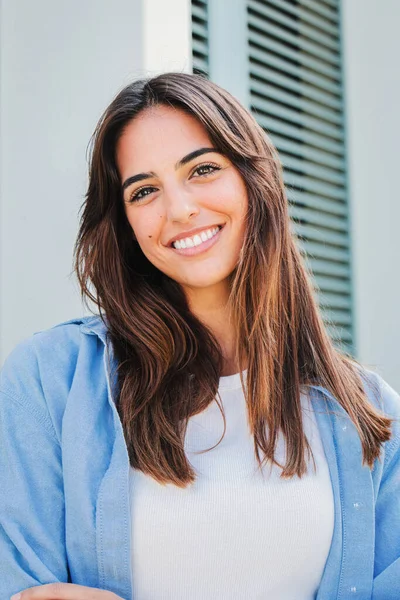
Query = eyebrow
x=183 y=161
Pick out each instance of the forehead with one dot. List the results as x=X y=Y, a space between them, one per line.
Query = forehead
x=159 y=135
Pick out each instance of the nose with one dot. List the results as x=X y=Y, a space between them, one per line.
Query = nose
x=180 y=205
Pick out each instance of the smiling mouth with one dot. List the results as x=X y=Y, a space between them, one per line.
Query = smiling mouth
x=196 y=240
x=199 y=247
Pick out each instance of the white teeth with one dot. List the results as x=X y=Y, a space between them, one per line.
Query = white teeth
x=196 y=240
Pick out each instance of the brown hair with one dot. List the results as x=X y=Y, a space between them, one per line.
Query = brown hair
x=169 y=363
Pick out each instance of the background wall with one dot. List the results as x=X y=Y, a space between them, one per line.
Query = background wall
x=61 y=64
x=371 y=54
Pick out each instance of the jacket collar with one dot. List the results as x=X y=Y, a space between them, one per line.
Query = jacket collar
x=95 y=325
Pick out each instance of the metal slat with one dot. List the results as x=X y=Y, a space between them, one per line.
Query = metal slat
x=290 y=99
x=297 y=117
x=199 y=62
x=325 y=205
x=317 y=172
x=199 y=46
x=307 y=153
x=298 y=58
x=332 y=284
x=316 y=249
x=299 y=134
x=329 y=300
x=199 y=13
x=300 y=87
x=296 y=10
x=199 y=36
x=318 y=81
x=333 y=269
x=317 y=7
x=198 y=29
x=332 y=3
x=338 y=334
x=298 y=27
x=295 y=40
x=317 y=218
x=341 y=317
x=312 y=185
x=321 y=235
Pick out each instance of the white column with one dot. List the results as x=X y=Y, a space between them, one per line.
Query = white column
x=61 y=64
x=167 y=36
x=228 y=51
x=372 y=91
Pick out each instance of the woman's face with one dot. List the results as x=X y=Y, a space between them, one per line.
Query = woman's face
x=177 y=187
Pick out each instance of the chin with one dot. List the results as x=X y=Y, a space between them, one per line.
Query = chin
x=203 y=280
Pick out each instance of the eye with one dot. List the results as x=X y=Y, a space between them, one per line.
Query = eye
x=139 y=194
x=142 y=192
x=207 y=167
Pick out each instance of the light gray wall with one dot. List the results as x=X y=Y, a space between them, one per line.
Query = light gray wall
x=61 y=64
x=372 y=75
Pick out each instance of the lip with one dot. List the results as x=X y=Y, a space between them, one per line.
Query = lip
x=201 y=247
x=192 y=232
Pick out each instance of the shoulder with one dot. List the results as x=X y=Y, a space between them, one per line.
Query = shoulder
x=383 y=397
x=40 y=370
x=381 y=394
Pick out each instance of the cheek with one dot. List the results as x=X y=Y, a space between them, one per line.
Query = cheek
x=144 y=228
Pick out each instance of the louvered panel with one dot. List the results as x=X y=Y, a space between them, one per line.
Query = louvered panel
x=281 y=49
x=300 y=88
x=295 y=86
x=317 y=217
x=309 y=168
x=312 y=185
x=296 y=117
x=261 y=29
x=263 y=19
x=318 y=7
x=200 y=36
x=318 y=249
x=307 y=153
x=320 y=234
x=291 y=100
x=335 y=269
x=340 y=317
x=274 y=11
x=298 y=133
x=302 y=199
x=298 y=12
x=334 y=301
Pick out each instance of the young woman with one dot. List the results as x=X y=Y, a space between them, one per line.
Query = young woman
x=202 y=438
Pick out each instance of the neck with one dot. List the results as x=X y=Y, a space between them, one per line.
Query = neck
x=211 y=307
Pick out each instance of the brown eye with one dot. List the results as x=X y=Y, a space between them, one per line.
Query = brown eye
x=138 y=194
x=209 y=168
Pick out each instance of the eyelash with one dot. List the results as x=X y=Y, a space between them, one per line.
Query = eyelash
x=134 y=197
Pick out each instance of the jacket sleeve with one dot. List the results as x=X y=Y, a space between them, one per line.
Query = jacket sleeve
x=32 y=528
x=387 y=508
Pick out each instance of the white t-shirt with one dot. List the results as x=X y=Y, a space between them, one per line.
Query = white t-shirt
x=235 y=533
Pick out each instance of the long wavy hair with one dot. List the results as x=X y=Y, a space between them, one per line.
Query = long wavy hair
x=169 y=362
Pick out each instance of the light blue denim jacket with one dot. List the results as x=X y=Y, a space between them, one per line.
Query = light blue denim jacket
x=64 y=472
